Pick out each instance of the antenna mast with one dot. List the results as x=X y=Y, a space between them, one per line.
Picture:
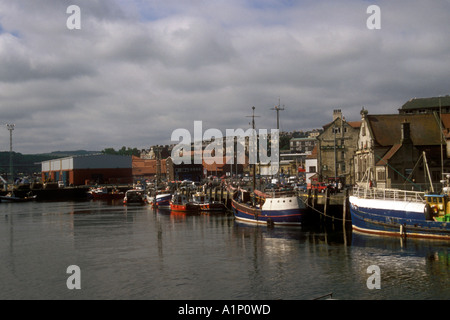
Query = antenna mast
x=278 y=108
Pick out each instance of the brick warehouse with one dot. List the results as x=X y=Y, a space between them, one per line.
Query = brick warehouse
x=91 y=169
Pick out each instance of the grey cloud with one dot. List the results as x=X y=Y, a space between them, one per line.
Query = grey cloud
x=137 y=70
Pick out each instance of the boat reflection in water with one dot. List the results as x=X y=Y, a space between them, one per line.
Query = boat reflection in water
x=403 y=263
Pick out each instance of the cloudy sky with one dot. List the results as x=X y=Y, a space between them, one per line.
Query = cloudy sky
x=139 y=69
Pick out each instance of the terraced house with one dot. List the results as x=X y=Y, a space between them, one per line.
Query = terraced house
x=337 y=144
x=391 y=148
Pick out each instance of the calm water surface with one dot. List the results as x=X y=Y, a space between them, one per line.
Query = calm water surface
x=137 y=253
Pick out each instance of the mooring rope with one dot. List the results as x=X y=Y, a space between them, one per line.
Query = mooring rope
x=320 y=212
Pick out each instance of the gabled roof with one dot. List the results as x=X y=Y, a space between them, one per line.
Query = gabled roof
x=386 y=129
x=313 y=154
x=426 y=103
x=445 y=118
x=389 y=154
x=354 y=124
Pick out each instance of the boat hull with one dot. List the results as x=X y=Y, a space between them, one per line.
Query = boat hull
x=211 y=207
x=288 y=216
x=395 y=218
x=134 y=197
x=186 y=208
x=16 y=199
x=162 y=201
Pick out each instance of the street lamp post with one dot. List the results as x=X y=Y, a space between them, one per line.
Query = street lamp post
x=11 y=128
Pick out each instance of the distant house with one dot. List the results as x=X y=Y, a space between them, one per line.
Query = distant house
x=89 y=169
x=311 y=165
x=426 y=105
x=302 y=145
x=390 y=146
x=144 y=168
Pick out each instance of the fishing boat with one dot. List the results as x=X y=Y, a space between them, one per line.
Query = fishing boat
x=274 y=208
x=162 y=200
x=103 y=193
x=181 y=203
x=394 y=212
x=10 y=197
x=206 y=204
x=134 y=196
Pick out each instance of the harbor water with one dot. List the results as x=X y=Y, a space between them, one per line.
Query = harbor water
x=134 y=252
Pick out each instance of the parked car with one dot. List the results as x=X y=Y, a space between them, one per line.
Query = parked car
x=320 y=186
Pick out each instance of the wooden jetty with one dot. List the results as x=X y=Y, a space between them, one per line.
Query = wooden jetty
x=326 y=206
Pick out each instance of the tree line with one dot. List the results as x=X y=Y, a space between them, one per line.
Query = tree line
x=124 y=151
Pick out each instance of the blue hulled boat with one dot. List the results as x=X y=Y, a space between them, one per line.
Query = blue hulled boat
x=403 y=213
x=162 y=201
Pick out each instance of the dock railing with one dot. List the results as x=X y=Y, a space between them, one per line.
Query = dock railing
x=388 y=194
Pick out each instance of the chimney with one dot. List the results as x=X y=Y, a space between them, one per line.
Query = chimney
x=337 y=114
x=406 y=132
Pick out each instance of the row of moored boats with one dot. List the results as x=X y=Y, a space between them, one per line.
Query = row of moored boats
x=198 y=202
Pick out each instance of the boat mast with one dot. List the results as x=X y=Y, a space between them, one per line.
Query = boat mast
x=428 y=170
x=254 y=165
